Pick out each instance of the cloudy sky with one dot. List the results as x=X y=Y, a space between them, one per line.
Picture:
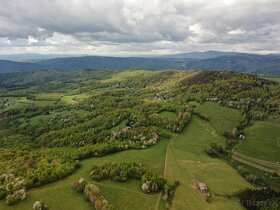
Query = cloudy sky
x=136 y=27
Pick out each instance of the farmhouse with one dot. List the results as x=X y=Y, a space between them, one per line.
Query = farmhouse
x=202 y=187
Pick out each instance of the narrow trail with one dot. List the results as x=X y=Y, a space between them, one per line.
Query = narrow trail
x=242 y=156
x=165 y=168
x=262 y=168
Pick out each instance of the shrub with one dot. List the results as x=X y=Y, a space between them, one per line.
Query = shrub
x=216 y=150
x=91 y=192
x=102 y=204
x=151 y=182
x=16 y=197
x=39 y=205
x=79 y=185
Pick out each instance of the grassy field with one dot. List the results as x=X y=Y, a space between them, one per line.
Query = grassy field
x=169 y=115
x=188 y=163
x=124 y=75
x=275 y=79
x=48 y=97
x=262 y=141
x=74 y=99
x=222 y=118
x=59 y=195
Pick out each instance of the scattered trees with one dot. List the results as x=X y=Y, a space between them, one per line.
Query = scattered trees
x=92 y=193
x=123 y=171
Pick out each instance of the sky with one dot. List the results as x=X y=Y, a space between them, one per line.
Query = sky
x=138 y=27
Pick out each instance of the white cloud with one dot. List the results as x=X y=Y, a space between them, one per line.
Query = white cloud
x=32 y=40
x=139 y=26
x=237 y=32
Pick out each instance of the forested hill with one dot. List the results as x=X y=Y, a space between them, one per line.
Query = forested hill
x=248 y=63
x=12 y=66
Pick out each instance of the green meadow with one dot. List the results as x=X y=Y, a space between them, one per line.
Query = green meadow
x=262 y=141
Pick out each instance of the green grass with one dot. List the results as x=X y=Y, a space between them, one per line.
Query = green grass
x=23 y=102
x=222 y=118
x=169 y=115
x=262 y=141
x=188 y=163
x=77 y=97
x=48 y=97
x=124 y=75
x=125 y=196
x=275 y=79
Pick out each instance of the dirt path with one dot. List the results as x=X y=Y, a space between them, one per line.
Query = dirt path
x=262 y=168
x=271 y=164
x=165 y=168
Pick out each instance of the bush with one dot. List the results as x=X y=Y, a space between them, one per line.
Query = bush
x=39 y=205
x=102 y=204
x=216 y=150
x=16 y=197
x=79 y=185
x=92 y=193
x=152 y=183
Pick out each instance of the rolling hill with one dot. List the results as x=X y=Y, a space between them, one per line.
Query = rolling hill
x=13 y=66
x=211 y=60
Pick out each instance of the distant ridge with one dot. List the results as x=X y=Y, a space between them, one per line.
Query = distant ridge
x=200 y=55
x=12 y=66
x=30 y=57
x=238 y=62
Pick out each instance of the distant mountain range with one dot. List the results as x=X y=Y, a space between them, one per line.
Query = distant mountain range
x=30 y=57
x=200 y=55
x=210 y=60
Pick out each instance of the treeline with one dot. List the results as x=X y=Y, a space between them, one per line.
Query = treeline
x=264 y=198
x=119 y=172
x=22 y=169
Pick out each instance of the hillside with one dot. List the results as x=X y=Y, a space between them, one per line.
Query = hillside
x=137 y=139
x=13 y=66
x=248 y=63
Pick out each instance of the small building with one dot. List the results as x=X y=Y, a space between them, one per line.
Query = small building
x=202 y=187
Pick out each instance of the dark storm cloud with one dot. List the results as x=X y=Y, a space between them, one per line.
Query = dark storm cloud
x=143 y=26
